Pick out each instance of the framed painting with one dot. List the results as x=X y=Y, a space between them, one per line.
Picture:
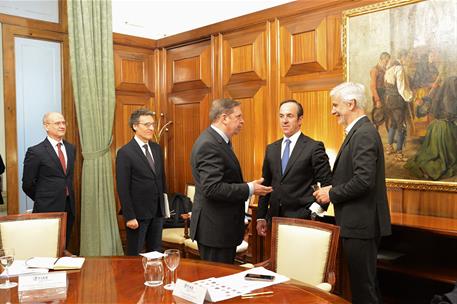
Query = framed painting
x=405 y=53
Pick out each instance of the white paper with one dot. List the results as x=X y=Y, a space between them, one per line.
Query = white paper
x=223 y=288
x=19 y=268
x=41 y=262
x=152 y=255
x=43 y=281
x=189 y=291
x=166 y=205
x=316 y=208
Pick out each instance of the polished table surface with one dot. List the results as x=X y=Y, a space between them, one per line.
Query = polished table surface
x=120 y=280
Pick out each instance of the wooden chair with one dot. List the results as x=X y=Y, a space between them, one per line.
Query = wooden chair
x=34 y=234
x=305 y=251
x=173 y=238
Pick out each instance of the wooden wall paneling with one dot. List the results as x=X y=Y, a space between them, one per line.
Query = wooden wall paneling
x=395 y=199
x=432 y=203
x=245 y=73
x=186 y=109
x=61 y=27
x=134 y=69
x=303 y=40
x=9 y=78
x=335 y=55
x=189 y=78
x=189 y=67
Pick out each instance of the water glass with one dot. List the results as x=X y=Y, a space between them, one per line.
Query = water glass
x=153 y=272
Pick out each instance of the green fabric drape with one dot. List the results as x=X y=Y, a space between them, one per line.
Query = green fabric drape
x=92 y=71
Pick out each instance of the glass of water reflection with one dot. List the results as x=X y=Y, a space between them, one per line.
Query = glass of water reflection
x=6 y=260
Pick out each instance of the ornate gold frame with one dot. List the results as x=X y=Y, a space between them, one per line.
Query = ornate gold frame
x=391 y=182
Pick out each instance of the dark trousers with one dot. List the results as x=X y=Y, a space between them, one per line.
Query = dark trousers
x=70 y=220
x=149 y=232
x=361 y=256
x=215 y=254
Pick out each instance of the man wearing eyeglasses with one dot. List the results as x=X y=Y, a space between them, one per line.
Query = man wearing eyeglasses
x=48 y=171
x=140 y=178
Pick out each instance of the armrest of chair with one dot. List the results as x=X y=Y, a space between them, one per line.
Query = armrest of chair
x=266 y=264
x=186 y=217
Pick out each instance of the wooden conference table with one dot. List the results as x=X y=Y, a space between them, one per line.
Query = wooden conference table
x=120 y=280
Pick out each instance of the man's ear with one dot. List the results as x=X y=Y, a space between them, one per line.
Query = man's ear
x=352 y=104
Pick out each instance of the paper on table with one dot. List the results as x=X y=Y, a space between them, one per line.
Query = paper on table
x=18 y=268
x=152 y=255
x=234 y=285
x=55 y=263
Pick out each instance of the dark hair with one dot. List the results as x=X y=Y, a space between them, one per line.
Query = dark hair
x=135 y=116
x=299 y=106
x=221 y=106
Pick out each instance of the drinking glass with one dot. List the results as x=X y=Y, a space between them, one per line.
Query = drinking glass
x=6 y=259
x=171 y=257
x=153 y=272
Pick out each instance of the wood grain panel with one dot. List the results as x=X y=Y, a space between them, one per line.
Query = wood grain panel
x=244 y=55
x=186 y=112
x=304 y=45
x=134 y=69
x=189 y=67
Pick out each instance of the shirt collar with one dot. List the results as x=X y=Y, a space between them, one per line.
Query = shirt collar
x=221 y=133
x=139 y=141
x=54 y=142
x=293 y=138
x=349 y=127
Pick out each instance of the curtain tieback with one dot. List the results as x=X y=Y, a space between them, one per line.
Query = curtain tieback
x=89 y=155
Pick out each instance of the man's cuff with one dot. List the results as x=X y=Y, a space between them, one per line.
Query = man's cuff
x=258 y=220
x=251 y=188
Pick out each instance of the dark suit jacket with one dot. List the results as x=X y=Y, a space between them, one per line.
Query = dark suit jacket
x=140 y=190
x=359 y=187
x=2 y=169
x=220 y=193
x=292 y=192
x=43 y=178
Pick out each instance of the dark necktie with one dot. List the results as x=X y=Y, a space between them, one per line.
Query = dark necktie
x=149 y=157
x=61 y=157
x=62 y=162
x=229 y=144
x=285 y=155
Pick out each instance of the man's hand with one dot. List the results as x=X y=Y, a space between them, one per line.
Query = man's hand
x=322 y=195
x=132 y=224
x=260 y=189
x=262 y=227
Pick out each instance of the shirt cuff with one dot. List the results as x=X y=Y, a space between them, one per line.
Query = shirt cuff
x=316 y=208
x=258 y=220
x=251 y=189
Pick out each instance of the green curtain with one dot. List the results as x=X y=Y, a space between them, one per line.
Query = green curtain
x=92 y=70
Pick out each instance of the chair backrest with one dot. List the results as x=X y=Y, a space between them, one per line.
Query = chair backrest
x=190 y=191
x=35 y=234
x=304 y=250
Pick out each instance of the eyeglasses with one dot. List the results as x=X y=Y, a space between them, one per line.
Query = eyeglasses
x=147 y=124
x=57 y=123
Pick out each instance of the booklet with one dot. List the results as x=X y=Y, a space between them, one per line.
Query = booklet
x=62 y=263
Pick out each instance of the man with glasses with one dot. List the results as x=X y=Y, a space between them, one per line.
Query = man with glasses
x=218 y=211
x=140 y=178
x=48 y=171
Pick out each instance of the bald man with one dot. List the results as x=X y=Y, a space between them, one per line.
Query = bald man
x=48 y=171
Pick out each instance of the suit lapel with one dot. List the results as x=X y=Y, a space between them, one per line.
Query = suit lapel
x=276 y=155
x=156 y=157
x=53 y=155
x=70 y=157
x=348 y=137
x=299 y=145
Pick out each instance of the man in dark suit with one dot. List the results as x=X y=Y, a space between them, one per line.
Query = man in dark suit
x=358 y=191
x=48 y=171
x=218 y=212
x=140 y=178
x=291 y=166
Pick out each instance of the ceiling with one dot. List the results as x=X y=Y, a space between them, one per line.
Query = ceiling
x=158 y=19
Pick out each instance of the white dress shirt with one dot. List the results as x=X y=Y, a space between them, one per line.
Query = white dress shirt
x=62 y=147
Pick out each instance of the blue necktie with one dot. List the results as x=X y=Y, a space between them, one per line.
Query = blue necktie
x=285 y=155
